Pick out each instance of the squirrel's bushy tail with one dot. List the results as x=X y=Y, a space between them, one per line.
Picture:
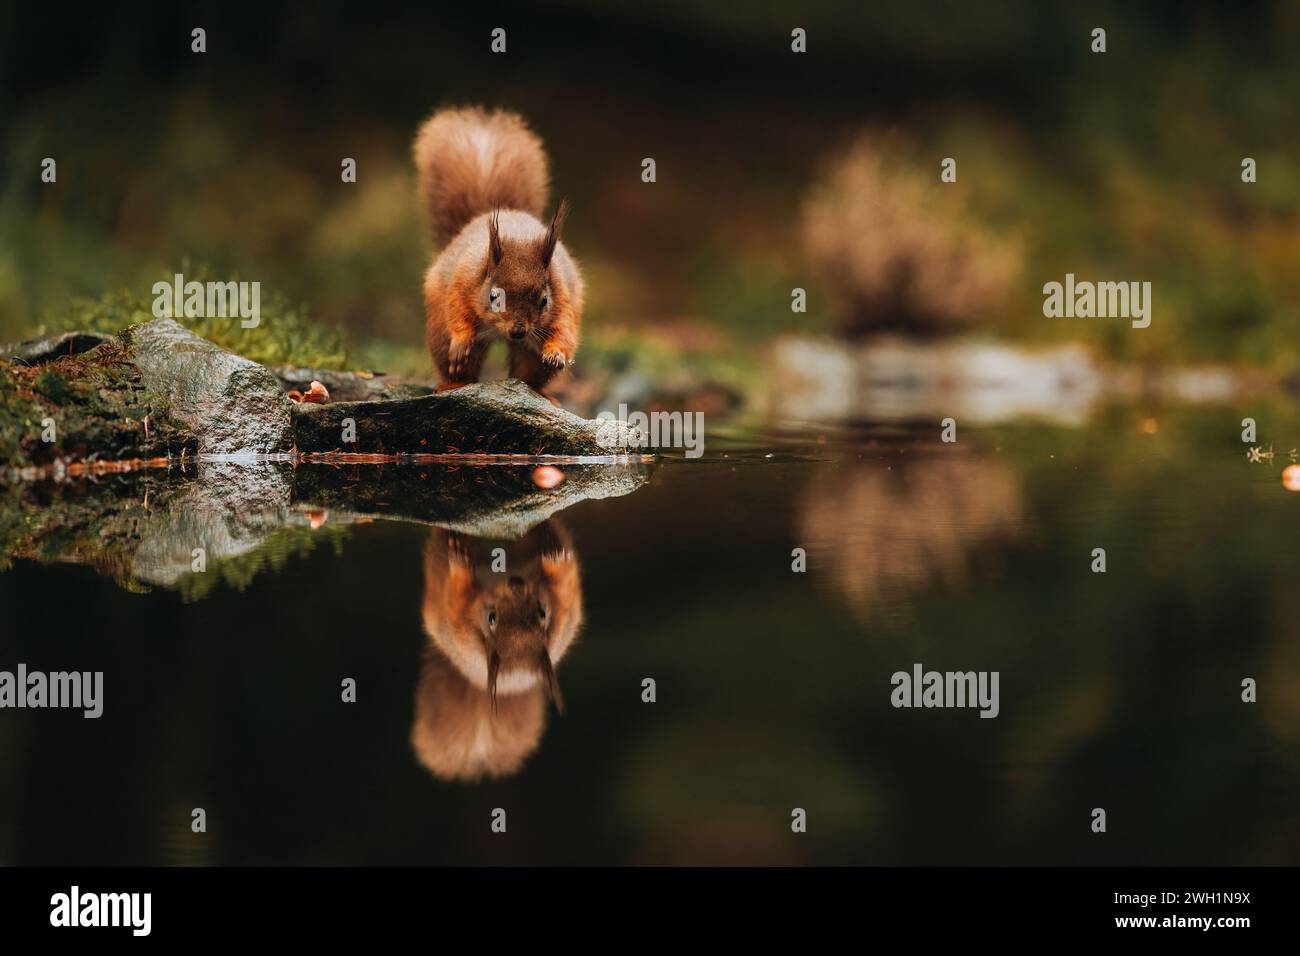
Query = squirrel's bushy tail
x=470 y=161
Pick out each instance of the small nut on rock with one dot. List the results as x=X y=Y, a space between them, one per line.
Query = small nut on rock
x=318 y=394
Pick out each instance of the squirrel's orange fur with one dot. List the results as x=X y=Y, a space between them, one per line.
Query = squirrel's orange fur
x=495 y=641
x=502 y=274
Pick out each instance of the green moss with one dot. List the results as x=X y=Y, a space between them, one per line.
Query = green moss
x=54 y=387
x=89 y=403
x=283 y=336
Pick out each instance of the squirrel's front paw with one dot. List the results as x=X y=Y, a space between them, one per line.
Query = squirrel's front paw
x=458 y=359
x=556 y=357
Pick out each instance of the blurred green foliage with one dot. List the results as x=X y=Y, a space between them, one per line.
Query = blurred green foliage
x=1123 y=165
x=283 y=336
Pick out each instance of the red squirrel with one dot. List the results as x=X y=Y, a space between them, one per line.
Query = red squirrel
x=502 y=273
x=495 y=642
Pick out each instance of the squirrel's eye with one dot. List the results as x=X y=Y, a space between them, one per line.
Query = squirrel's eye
x=494 y=294
x=544 y=300
x=492 y=620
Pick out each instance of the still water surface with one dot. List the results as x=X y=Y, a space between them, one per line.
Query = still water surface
x=1118 y=690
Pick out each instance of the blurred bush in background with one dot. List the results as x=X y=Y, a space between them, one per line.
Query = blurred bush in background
x=900 y=254
x=1123 y=166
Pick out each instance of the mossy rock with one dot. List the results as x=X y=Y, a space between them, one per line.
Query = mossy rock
x=158 y=389
x=233 y=405
x=486 y=418
x=350 y=386
x=51 y=347
x=96 y=404
x=143 y=528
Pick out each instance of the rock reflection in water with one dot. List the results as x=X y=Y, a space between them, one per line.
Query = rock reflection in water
x=883 y=532
x=496 y=638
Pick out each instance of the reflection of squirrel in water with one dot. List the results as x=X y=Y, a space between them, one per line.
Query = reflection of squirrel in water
x=496 y=638
x=502 y=274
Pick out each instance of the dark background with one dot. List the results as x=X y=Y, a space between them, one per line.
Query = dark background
x=1127 y=162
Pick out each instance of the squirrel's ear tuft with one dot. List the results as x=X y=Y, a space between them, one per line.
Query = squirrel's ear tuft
x=494 y=236
x=553 y=232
